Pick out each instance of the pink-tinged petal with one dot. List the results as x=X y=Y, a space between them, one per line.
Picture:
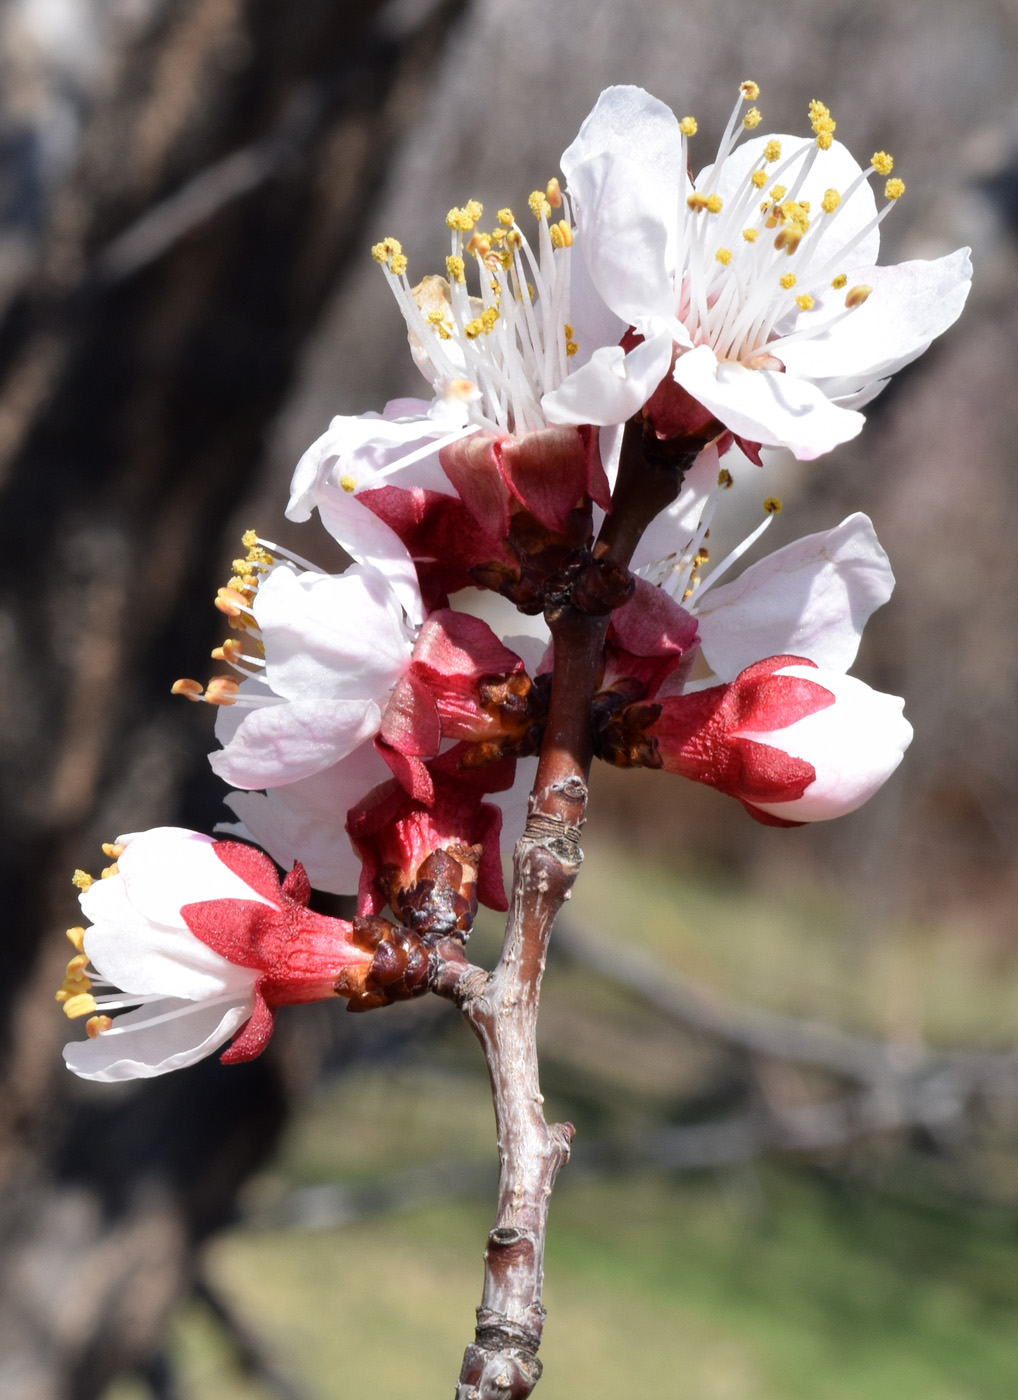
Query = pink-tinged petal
x=279 y=744
x=909 y=306
x=549 y=471
x=141 y=1046
x=812 y=598
x=472 y=468
x=777 y=410
x=410 y=721
x=334 y=637
x=854 y=746
x=612 y=385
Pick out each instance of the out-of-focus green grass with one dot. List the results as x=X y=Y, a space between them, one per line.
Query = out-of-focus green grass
x=759 y=1283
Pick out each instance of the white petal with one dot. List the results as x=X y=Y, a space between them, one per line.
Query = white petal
x=628 y=232
x=280 y=743
x=147 y=959
x=628 y=122
x=306 y=821
x=910 y=305
x=141 y=1051
x=612 y=385
x=812 y=598
x=854 y=745
x=672 y=530
x=777 y=410
x=167 y=867
x=594 y=323
x=331 y=637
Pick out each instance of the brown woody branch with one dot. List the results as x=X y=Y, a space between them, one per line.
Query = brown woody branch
x=501 y=1363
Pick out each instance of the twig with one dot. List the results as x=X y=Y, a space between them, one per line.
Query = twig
x=501 y=1009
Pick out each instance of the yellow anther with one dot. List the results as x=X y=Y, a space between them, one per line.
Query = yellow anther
x=702 y=556
x=789 y=239
x=571 y=347
x=113 y=849
x=464 y=219
x=758 y=178
x=752 y=119
x=788 y=281
x=751 y=234
x=713 y=204
x=76 y=967
x=348 y=484
x=81 y=1005
x=191 y=690
x=385 y=251
x=553 y=193
x=539 y=206
x=231 y=602
x=514 y=239
x=95 y=1025
x=77 y=937
x=840 y=281
x=772 y=152
x=222 y=690
x=895 y=188
x=723 y=256
x=474 y=209
x=823 y=124
x=249 y=539
x=778 y=193
x=479 y=245
x=772 y=505
x=882 y=163
x=725 y=479
x=456 y=268
x=398 y=264
x=488 y=318
x=688 y=126
x=830 y=201
x=805 y=302
x=82 y=879
x=561 y=234
x=109 y=871
x=231 y=650
x=857 y=296
x=696 y=201
x=473 y=328
x=505 y=217
x=749 y=90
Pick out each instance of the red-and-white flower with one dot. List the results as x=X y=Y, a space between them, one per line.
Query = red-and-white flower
x=750 y=296
x=200 y=937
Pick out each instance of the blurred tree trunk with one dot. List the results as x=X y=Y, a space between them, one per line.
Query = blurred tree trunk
x=221 y=185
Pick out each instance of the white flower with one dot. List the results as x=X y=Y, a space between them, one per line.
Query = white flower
x=320 y=657
x=203 y=939
x=190 y=999
x=752 y=291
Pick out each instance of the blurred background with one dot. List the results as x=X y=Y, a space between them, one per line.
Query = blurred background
x=788 y=1053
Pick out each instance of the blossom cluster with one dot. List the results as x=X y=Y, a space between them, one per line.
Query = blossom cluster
x=378 y=727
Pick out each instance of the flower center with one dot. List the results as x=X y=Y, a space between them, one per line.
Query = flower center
x=503 y=347
x=756 y=262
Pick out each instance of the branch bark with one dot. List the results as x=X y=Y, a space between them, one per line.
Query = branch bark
x=501 y=1009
